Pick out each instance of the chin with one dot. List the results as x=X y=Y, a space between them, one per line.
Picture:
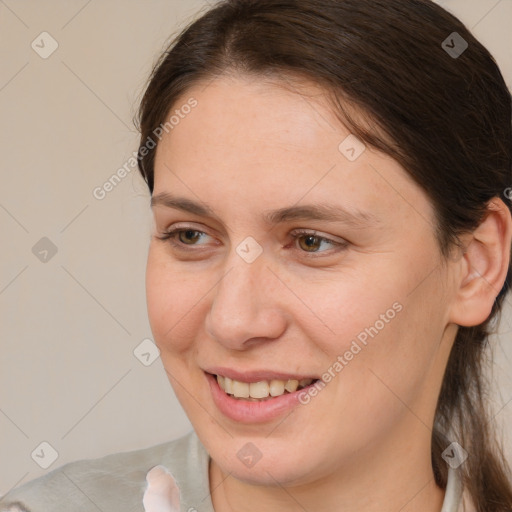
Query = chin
x=263 y=461
x=279 y=471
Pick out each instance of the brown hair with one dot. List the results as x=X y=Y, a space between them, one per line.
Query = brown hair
x=445 y=118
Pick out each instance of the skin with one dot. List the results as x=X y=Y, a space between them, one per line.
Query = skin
x=363 y=443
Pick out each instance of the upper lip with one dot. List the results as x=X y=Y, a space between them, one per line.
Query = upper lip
x=255 y=375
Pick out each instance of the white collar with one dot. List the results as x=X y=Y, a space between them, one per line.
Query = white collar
x=453 y=495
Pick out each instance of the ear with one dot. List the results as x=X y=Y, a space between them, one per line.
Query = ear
x=483 y=266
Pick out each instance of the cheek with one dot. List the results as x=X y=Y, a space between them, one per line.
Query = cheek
x=348 y=307
x=173 y=302
x=383 y=343
x=396 y=360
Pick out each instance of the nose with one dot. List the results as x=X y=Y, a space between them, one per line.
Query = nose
x=245 y=307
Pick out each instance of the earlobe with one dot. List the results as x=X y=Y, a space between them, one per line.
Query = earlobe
x=483 y=267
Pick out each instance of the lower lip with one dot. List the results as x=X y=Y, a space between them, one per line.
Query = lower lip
x=244 y=411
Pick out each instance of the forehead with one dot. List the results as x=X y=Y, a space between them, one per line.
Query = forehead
x=235 y=108
x=257 y=142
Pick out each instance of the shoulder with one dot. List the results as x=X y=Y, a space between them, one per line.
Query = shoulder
x=114 y=482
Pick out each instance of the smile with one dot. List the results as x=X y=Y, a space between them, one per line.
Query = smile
x=261 y=390
x=256 y=396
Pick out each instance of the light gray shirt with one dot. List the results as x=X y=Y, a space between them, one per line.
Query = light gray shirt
x=116 y=482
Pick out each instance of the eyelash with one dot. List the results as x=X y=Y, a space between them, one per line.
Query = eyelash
x=170 y=236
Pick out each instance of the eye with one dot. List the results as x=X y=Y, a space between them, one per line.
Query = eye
x=185 y=238
x=310 y=241
x=180 y=237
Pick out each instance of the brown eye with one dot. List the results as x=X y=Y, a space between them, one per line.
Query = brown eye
x=310 y=243
x=189 y=236
x=184 y=238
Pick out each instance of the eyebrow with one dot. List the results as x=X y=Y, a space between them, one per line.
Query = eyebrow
x=325 y=212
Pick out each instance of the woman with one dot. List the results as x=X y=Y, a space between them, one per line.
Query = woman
x=331 y=243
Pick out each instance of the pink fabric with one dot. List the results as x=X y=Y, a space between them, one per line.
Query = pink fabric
x=162 y=493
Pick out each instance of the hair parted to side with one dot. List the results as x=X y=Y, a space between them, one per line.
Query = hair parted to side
x=446 y=120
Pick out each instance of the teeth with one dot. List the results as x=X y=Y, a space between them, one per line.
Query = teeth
x=276 y=387
x=240 y=389
x=291 y=385
x=228 y=385
x=261 y=389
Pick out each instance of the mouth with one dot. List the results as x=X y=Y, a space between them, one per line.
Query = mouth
x=256 y=396
x=261 y=390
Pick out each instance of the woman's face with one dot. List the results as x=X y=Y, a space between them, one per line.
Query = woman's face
x=302 y=255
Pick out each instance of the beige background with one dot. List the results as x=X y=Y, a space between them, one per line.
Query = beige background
x=68 y=374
